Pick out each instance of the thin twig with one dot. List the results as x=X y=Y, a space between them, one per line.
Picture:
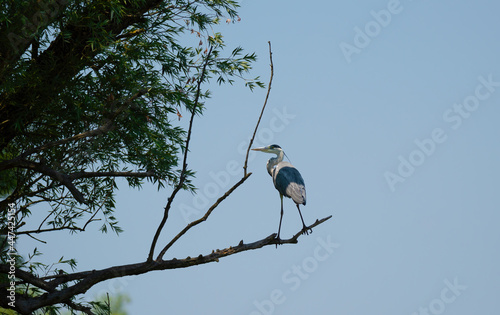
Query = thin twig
x=79 y=175
x=37 y=239
x=59 y=228
x=263 y=107
x=184 y=162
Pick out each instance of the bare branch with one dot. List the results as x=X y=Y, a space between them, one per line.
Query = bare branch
x=184 y=162
x=204 y=218
x=37 y=239
x=90 y=278
x=262 y=111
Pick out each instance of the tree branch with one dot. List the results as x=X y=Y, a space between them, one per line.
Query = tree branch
x=78 y=175
x=263 y=107
x=90 y=278
x=184 y=162
x=204 y=218
x=58 y=176
x=27 y=277
x=51 y=230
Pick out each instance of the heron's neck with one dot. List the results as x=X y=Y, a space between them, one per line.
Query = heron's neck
x=273 y=162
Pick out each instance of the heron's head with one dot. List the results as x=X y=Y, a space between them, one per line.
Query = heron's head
x=273 y=148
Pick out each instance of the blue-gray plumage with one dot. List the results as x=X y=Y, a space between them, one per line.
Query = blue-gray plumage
x=287 y=180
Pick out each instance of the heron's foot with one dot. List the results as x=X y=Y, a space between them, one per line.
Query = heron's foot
x=278 y=241
x=306 y=230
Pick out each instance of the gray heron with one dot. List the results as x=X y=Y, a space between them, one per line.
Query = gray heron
x=287 y=180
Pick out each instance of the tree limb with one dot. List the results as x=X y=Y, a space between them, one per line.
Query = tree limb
x=27 y=277
x=56 y=175
x=87 y=279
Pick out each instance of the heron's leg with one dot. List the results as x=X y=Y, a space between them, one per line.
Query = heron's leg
x=281 y=218
x=305 y=229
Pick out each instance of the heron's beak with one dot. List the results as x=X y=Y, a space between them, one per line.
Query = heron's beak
x=259 y=149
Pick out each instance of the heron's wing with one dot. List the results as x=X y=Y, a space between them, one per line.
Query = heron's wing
x=289 y=182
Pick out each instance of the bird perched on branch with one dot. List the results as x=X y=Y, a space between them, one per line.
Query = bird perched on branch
x=287 y=180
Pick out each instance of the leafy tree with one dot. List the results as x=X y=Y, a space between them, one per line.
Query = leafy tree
x=90 y=91
x=112 y=305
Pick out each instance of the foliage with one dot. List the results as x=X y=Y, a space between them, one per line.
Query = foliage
x=112 y=305
x=93 y=90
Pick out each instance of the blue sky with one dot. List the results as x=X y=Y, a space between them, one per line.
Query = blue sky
x=396 y=139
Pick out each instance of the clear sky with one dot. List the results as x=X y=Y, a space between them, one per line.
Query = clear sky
x=389 y=109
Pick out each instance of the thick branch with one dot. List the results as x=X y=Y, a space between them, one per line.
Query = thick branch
x=26 y=277
x=90 y=278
